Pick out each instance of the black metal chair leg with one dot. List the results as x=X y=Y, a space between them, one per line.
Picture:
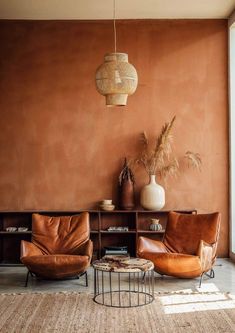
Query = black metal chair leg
x=212 y=273
x=200 y=282
x=84 y=273
x=86 y=279
x=27 y=278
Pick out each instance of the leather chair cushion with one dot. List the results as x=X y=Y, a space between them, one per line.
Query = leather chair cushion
x=185 y=231
x=175 y=264
x=56 y=266
x=60 y=234
x=150 y=245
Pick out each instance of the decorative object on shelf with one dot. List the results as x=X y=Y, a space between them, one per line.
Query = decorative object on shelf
x=118 y=229
x=116 y=78
x=152 y=196
x=160 y=161
x=116 y=250
x=11 y=229
x=155 y=225
x=107 y=202
x=107 y=205
x=126 y=187
x=22 y=229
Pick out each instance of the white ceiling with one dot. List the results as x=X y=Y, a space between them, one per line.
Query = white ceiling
x=125 y=9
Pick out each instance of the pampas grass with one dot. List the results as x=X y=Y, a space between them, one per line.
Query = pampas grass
x=161 y=160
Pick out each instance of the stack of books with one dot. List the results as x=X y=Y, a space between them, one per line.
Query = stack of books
x=115 y=250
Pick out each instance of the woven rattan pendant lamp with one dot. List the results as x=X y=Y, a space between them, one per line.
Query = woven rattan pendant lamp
x=116 y=79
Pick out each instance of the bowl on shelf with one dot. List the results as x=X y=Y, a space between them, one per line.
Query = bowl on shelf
x=106 y=202
x=11 y=229
x=107 y=207
x=22 y=229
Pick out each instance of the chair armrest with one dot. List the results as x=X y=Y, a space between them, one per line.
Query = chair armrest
x=146 y=245
x=86 y=249
x=28 y=249
x=205 y=252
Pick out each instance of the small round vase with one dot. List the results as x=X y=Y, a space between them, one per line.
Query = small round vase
x=152 y=196
x=155 y=225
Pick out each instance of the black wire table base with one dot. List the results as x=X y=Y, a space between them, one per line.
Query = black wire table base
x=123 y=289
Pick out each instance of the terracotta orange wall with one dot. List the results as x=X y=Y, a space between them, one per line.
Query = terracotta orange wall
x=61 y=148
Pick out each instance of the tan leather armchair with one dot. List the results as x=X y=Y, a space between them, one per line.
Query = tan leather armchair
x=188 y=249
x=60 y=247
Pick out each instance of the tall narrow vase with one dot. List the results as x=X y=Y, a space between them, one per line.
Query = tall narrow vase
x=127 y=197
x=152 y=196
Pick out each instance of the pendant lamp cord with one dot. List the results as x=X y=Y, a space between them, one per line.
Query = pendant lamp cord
x=114 y=26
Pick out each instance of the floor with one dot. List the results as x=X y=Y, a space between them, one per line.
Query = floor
x=12 y=280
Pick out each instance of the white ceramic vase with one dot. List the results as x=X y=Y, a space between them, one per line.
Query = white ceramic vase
x=152 y=196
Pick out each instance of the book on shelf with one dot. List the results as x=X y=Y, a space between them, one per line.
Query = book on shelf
x=115 y=250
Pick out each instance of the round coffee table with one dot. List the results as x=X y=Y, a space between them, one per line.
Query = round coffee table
x=122 y=282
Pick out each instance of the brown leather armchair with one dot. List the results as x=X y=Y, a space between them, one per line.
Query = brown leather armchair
x=60 y=247
x=188 y=249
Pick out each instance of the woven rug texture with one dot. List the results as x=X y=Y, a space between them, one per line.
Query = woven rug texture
x=76 y=312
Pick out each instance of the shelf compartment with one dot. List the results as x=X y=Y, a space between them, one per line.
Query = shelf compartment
x=127 y=239
x=95 y=239
x=94 y=221
x=15 y=220
x=109 y=219
x=144 y=219
x=10 y=246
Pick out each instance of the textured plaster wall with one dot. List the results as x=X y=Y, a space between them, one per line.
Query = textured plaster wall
x=61 y=148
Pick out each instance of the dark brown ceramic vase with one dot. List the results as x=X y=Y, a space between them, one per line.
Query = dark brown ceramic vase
x=127 y=196
x=126 y=187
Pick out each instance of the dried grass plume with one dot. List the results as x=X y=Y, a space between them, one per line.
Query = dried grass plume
x=160 y=160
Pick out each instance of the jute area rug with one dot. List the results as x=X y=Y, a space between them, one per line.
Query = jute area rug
x=76 y=312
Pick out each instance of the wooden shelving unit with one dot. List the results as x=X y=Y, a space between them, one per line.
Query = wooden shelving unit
x=138 y=222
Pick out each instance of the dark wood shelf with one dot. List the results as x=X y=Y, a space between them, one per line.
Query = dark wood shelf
x=136 y=210
x=118 y=232
x=16 y=264
x=142 y=211
x=15 y=232
x=94 y=231
x=150 y=231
